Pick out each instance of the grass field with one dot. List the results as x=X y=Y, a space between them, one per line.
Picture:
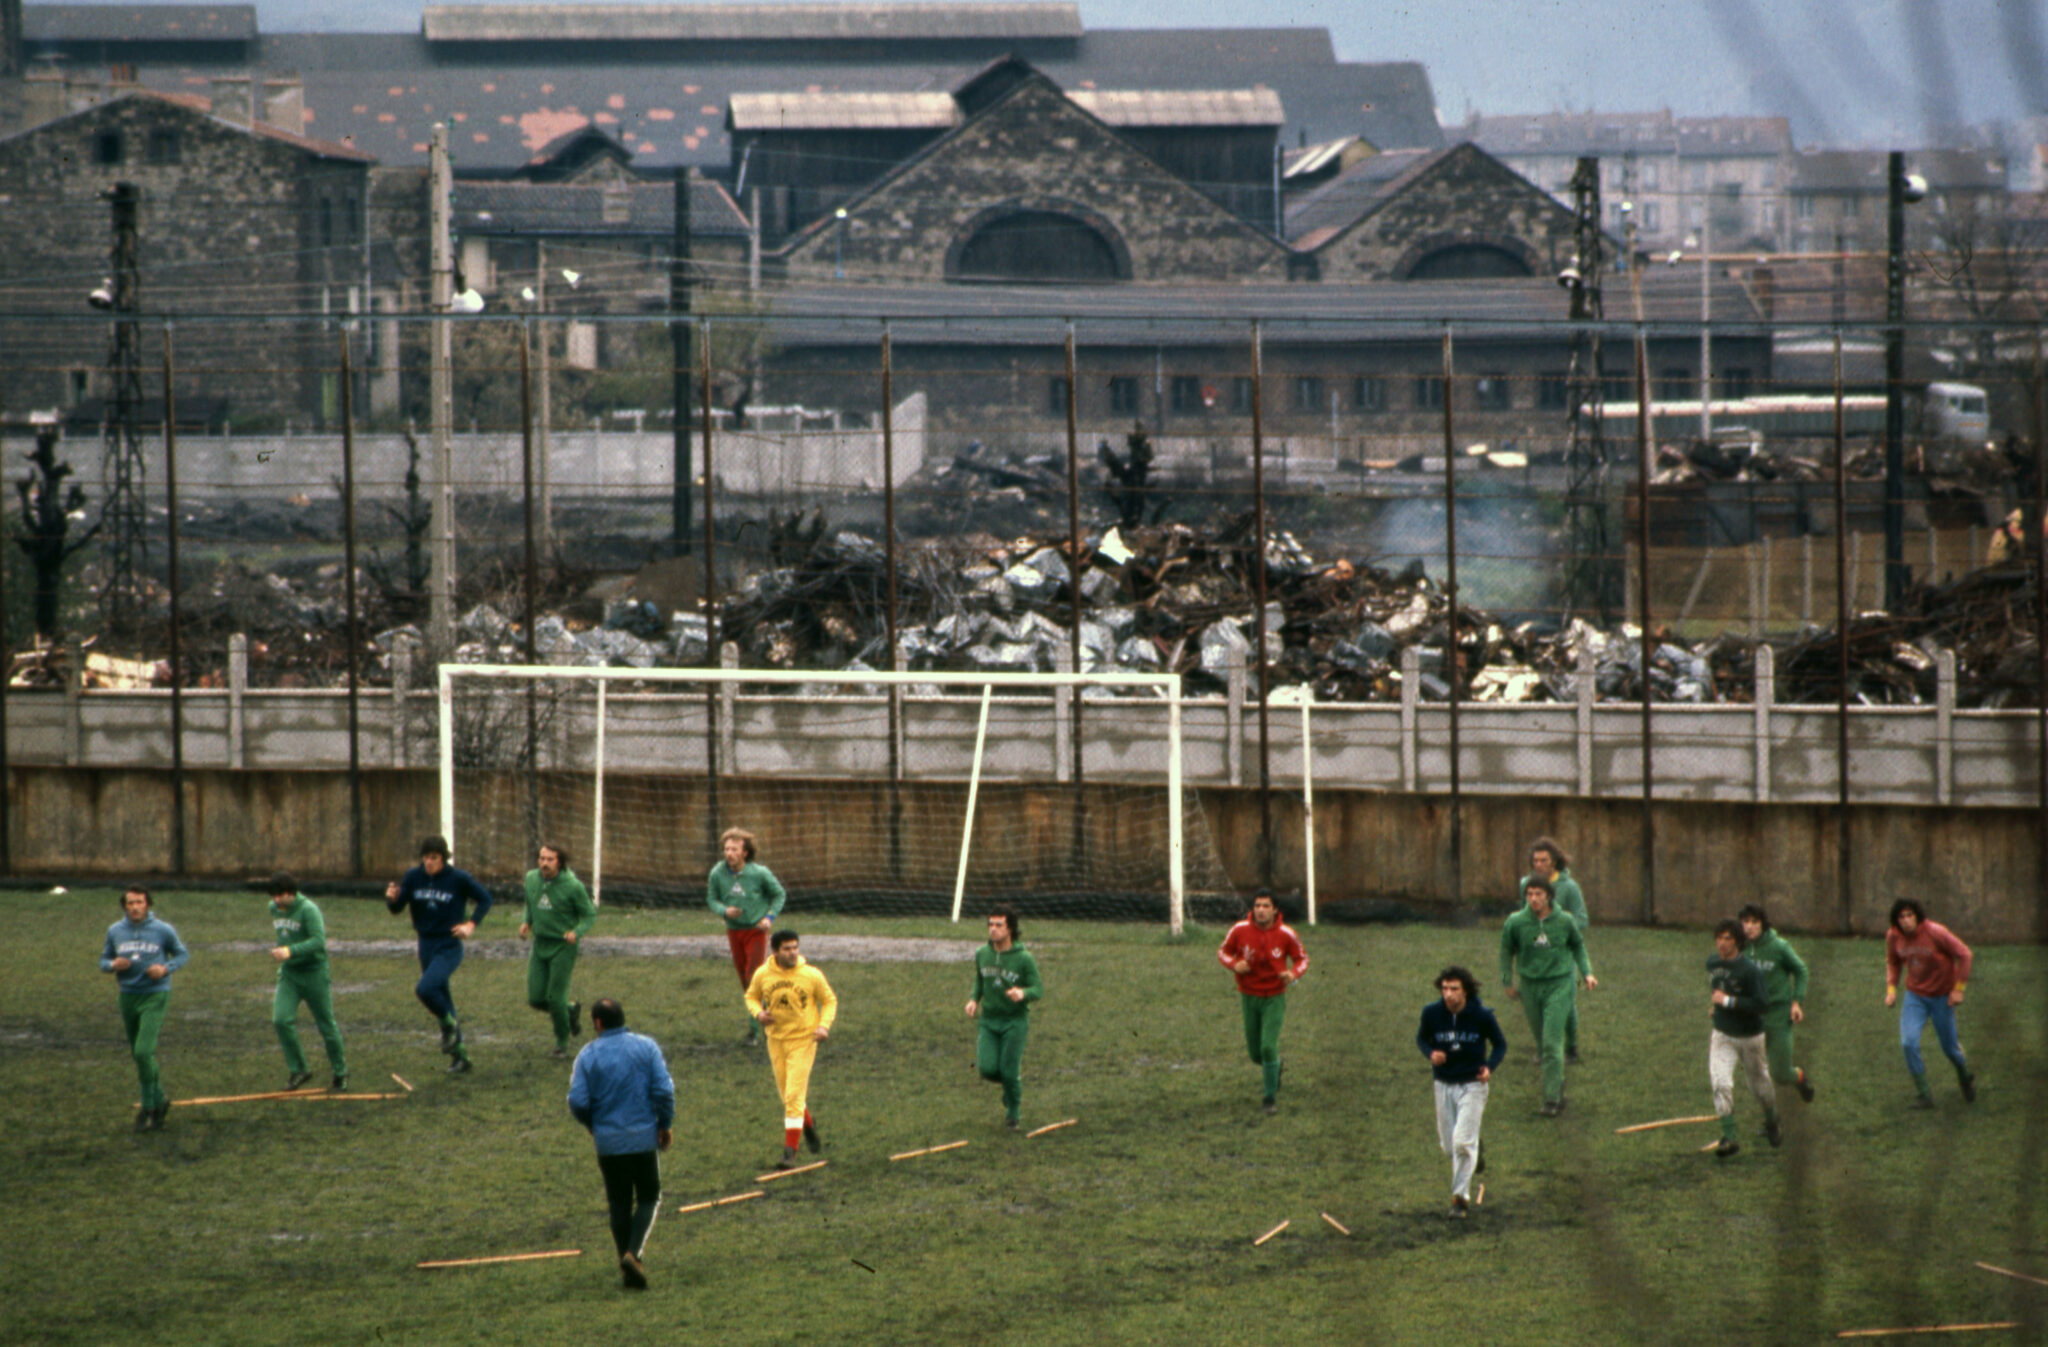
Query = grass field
x=300 y=1222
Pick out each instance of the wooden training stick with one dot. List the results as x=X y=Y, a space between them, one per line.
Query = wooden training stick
x=1270 y=1233
x=1665 y=1122
x=928 y=1150
x=2008 y=1272
x=1930 y=1328
x=786 y=1173
x=1479 y=1196
x=1335 y=1224
x=1709 y=1146
x=1050 y=1127
x=720 y=1202
x=500 y=1258
x=402 y=1081
x=277 y=1094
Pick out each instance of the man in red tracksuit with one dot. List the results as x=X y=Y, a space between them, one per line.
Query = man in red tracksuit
x=1267 y=958
x=1937 y=967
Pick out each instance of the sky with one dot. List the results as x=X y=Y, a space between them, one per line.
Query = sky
x=1874 y=72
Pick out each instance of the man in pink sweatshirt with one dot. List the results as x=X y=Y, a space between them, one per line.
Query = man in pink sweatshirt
x=1937 y=967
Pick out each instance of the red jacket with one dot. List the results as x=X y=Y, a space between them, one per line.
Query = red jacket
x=1268 y=952
x=1935 y=960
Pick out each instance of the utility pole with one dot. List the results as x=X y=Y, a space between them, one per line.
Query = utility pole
x=679 y=362
x=123 y=511
x=543 y=479
x=1591 y=579
x=1706 y=332
x=1896 y=574
x=441 y=587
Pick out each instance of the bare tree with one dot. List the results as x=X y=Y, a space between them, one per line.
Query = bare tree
x=47 y=508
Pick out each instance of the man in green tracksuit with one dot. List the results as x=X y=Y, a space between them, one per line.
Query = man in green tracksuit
x=1541 y=952
x=749 y=897
x=301 y=954
x=1785 y=988
x=1005 y=984
x=1548 y=861
x=559 y=914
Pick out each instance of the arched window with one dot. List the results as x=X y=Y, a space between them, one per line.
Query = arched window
x=1037 y=245
x=1468 y=261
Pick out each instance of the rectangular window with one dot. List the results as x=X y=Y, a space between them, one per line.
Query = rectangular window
x=1652 y=217
x=1803 y=207
x=326 y=223
x=106 y=147
x=1674 y=383
x=1429 y=392
x=1056 y=395
x=1650 y=175
x=1553 y=392
x=1123 y=395
x=1492 y=393
x=163 y=145
x=1735 y=383
x=1369 y=394
x=1185 y=393
x=1619 y=388
x=1241 y=396
x=1308 y=394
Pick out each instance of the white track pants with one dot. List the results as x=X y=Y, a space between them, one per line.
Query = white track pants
x=1459 y=1107
x=1723 y=1052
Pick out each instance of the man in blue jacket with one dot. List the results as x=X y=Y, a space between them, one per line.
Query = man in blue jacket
x=1454 y=1035
x=439 y=894
x=620 y=1089
x=142 y=951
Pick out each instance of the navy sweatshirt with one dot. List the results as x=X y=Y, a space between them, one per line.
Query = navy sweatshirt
x=1461 y=1038
x=1744 y=1016
x=438 y=900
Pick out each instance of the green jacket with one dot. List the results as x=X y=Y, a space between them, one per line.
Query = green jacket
x=558 y=906
x=1564 y=897
x=1741 y=979
x=1784 y=970
x=301 y=930
x=755 y=891
x=1550 y=948
x=995 y=974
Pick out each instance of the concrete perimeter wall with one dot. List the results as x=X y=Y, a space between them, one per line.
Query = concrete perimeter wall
x=1976 y=868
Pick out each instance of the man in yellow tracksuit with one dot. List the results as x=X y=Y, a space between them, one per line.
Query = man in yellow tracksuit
x=795 y=1002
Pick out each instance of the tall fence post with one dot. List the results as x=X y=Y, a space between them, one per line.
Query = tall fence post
x=1844 y=898
x=711 y=634
x=238 y=691
x=1069 y=698
x=1644 y=445
x=348 y=590
x=1944 y=727
x=171 y=561
x=530 y=577
x=2039 y=548
x=1585 y=685
x=894 y=659
x=1451 y=679
x=1763 y=695
x=1258 y=568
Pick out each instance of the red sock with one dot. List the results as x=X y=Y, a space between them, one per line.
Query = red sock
x=790 y=1136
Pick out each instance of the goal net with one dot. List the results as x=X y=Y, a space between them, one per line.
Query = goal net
x=890 y=794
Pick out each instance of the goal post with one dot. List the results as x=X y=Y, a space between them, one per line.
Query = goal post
x=890 y=793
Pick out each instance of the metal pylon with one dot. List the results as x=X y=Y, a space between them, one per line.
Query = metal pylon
x=1593 y=574
x=123 y=538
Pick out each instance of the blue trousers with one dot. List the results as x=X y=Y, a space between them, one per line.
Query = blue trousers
x=1913 y=1019
x=440 y=956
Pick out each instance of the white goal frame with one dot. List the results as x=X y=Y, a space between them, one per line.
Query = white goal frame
x=986 y=683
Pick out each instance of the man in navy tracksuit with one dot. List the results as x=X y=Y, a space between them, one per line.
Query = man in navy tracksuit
x=438 y=894
x=1454 y=1035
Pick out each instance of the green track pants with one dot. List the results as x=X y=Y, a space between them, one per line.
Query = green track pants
x=1548 y=1003
x=142 y=1017
x=548 y=970
x=1263 y=1016
x=316 y=990
x=999 y=1056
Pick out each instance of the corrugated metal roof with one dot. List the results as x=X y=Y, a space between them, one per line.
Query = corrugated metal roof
x=842 y=111
x=1325 y=212
x=582 y=209
x=1303 y=163
x=1182 y=107
x=1864 y=171
x=1201 y=315
x=325 y=149
x=138 y=23
x=748 y=23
